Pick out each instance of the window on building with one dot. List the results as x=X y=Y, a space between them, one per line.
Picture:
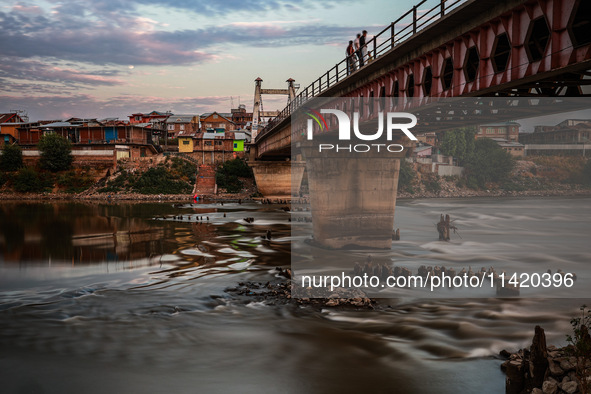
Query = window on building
x=182 y=127
x=208 y=143
x=185 y=142
x=138 y=118
x=171 y=127
x=235 y=145
x=218 y=142
x=215 y=116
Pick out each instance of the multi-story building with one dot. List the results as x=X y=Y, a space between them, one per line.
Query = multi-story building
x=241 y=118
x=569 y=131
x=9 y=123
x=217 y=121
x=154 y=116
x=506 y=130
x=214 y=147
x=179 y=125
x=93 y=142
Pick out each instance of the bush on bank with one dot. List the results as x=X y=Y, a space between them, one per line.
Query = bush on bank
x=27 y=180
x=11 y=158
x=229 y=173
x=175 y=176
x=74 y=182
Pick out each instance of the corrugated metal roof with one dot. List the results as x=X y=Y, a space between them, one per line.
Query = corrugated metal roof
x=211 y=135
x=180 y=119
x=60 y=124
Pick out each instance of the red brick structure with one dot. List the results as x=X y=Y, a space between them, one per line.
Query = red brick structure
x=217 y=121
x=506 y=130
x=240 y=117
x=149 y=117
x=179 y=125
x=205 y=183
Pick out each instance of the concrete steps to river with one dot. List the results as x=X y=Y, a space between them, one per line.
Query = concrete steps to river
x=205 y=183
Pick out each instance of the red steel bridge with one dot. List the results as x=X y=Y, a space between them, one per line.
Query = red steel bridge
x=460 y=48
x=438 y=49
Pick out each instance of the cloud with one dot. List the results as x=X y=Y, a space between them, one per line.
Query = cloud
x=51 y=52
x=26 y=8
x=51 y=106
x=15 y=68
x=102 y=36
x=222 y=7
x=90 y=43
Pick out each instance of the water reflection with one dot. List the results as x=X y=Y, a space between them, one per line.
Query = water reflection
x=130 y=298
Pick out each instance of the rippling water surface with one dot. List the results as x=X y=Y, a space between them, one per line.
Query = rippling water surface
x=130 y=298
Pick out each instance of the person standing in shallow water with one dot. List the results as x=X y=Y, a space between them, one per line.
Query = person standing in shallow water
x=357 y=45
x=350 y=52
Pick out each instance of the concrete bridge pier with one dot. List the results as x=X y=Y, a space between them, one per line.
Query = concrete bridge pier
x=353 y=197
x=281 y=179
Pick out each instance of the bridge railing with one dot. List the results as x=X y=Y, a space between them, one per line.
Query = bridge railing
x=407 y=25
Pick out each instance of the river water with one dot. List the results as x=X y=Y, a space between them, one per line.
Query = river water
x=130 y=298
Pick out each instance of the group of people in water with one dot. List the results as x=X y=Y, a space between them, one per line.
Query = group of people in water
x=357 y=54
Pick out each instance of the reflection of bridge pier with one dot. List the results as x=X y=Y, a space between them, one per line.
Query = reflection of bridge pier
x=353 y=197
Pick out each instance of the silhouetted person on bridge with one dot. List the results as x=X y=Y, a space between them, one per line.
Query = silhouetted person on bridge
x=351 y=64
x=363 y=43
x=357 y=44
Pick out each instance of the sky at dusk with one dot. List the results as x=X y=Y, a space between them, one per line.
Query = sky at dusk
x=111 y=58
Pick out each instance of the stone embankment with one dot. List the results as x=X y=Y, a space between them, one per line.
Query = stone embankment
x=542 y=369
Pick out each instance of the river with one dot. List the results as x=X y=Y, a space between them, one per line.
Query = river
x=130 y=297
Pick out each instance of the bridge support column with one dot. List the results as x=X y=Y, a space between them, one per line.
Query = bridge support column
x=274 y=178
x=353 y=198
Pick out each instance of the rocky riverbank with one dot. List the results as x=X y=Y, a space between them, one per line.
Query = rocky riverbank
x=450 y=192
x=449 y=189
x=542 y=369
x=94 y=197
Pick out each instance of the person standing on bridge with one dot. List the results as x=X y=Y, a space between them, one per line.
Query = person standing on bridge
x=363 y=44
x=357 y=45
x=351 y=64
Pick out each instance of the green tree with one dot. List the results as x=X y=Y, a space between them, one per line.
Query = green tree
x=11 y=158
x=406 y=175
x=458 y=143
x=56 y=153
x=488 y=163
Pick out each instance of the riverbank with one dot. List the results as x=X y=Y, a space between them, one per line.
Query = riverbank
x=451 y=192
x=557 y=191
